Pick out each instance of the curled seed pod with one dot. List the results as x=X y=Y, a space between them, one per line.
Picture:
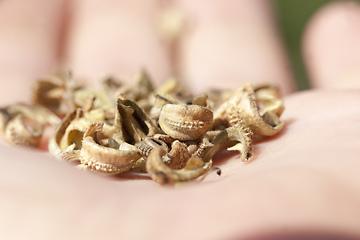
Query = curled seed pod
x=232 y=136
x=132 y=124
x=19 y=133
x=148 y=144
x=35 y=112
x=140 y=87
x=23 y=124
x=269 y=98
x=74 y=132
x=50 y=91
x=242 y=110
x=103 y=159
x=162 y=174
x=185 y=122
x=66 y=139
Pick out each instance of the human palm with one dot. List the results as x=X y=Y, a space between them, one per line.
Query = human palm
x=302 y=181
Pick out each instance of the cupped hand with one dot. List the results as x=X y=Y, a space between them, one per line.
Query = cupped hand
x=302 y=182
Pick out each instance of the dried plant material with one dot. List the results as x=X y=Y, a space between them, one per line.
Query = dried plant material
x=55 y=91
x=198 y=150
x=23 y=125
x=132 y=124
x=173 y=87
x=235 y=138
x=202 y=101
x=179 y=155
x=217 y=97
x=140 y=88
x=75 y=131
x=49 y=91
x=242 y=110
x=268 y=96
x=185 y=122
x=110 y=85
x=245 y=102
x=66 y=140
x=165 y=132
x=160 y=101
x=148 y=144
x=18 y=132
x=97 y=98
x=139 y=166
x=162 y=174
x=145 y=147
x=103 y=159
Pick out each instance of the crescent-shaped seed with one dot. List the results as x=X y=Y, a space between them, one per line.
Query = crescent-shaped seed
x=185 y=122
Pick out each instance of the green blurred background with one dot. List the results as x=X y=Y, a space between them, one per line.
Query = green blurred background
x=293 y=16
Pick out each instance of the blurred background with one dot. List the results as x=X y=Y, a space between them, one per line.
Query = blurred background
x=293 y=16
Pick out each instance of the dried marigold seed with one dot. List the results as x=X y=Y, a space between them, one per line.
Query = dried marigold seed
x=165 y=132
x=163 y=174
x=103 y=159
x=185 y=122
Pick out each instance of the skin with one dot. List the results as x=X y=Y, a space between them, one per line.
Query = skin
x=303 y=182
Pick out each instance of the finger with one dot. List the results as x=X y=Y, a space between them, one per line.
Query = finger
x=28 y=44
x=232 y=42
x=117 y=38
x=331 y=46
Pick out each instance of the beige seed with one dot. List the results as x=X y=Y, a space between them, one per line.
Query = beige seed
x=185 y=122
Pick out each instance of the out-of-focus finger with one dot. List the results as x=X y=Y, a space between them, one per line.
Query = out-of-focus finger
x=29 y=33
x=332 y=46
x=117 y=38
x=228 y=43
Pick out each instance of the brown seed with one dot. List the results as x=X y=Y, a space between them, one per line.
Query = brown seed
x=162 y=174
x=185 y=122
x=242 y=110
x=148 y=144
x=103 y=159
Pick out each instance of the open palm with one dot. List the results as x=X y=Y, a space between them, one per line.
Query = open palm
x=304 y=180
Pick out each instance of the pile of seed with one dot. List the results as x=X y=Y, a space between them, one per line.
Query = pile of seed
x=166 y=132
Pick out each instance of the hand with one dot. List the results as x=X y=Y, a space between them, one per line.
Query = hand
x=303 y=181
